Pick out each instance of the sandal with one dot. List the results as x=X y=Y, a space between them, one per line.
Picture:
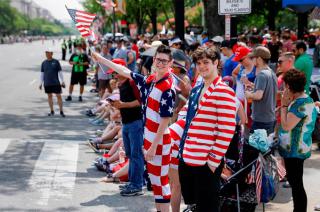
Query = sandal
x=110 y=179
x=94 y=146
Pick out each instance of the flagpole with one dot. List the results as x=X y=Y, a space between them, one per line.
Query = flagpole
x=114 y=20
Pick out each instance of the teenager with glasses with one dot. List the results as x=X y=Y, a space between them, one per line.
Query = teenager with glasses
x=157 y=94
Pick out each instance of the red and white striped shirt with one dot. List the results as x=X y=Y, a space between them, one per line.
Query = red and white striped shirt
x=212 y=128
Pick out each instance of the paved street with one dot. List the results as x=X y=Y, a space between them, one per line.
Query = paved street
x=44 y=162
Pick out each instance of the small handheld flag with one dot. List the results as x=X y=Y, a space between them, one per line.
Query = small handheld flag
x=82 y=20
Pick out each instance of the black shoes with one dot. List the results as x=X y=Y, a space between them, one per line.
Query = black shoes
x=51 y=113
x=62 y=114
x=80 y=98
x=69 y=98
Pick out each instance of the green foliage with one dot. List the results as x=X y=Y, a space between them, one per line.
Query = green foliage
x=287 y=19
x=13 y=22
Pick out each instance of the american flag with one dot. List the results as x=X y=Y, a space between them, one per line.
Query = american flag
x=258 y=178
x=281 y=170
x=107 y=4
x=83 y=21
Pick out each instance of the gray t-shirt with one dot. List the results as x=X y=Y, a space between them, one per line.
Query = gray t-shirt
x=264 y=109
x=121 y=53
x=50 y=68
x=102 y=75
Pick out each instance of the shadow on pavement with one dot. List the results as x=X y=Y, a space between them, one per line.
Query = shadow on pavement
x=118 y=203
x=16 y=166
x=43 y=210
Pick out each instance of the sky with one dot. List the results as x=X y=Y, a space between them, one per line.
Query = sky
x=58 y=9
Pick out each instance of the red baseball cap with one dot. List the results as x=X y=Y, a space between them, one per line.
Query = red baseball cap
x=240 y=53
x=117 y=61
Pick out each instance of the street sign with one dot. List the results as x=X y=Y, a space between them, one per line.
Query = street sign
x=234 y=7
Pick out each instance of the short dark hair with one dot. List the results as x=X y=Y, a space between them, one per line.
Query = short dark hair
x=295 y=79
x=164 y=50
x=301 y=45
x=204 y=52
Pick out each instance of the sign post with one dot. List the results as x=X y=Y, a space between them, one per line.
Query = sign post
x=230 y=8
x=227 y=34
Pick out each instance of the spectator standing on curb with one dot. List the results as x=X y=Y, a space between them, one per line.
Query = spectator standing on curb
x=132 y=131
x=298 y=116
x=103 y=76
x=264 y=92
x=274 y=47
x=80 y=63
x=157 y=94
x=208 y=130
x=50 y=73
x=303 y=62
x=64 y=49
x=229 y=64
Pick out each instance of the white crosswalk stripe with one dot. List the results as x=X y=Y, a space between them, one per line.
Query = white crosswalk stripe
x=54 y=173
x=4 y=143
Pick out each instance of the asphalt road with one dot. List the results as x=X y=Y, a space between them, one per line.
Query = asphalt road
x=44 y=162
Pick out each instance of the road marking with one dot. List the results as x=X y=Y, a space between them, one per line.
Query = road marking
x=54 y=174
x=4 y=143
x=32 y=82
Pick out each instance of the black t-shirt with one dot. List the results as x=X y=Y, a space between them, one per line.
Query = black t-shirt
x=274 y=50
x=81 y=58
x=129 y=115
x=50 y=68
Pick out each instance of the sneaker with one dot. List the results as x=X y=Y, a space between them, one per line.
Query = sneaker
x=129 y=192
x=93 y=119
x=80 y=98
x=90 y=114
x=286 y=185
x=99 y=132
x=62 y=114
x=98 y=123
x=124 y=187
x=190 y=208
x=51 y=113
x=69 y=98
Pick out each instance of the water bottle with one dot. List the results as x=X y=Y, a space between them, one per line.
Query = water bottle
x=122 y=155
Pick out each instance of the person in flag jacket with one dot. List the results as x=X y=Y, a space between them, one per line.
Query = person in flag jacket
x=205 y=134
x=157 y=94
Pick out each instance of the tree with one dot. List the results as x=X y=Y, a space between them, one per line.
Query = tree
x=214 y=23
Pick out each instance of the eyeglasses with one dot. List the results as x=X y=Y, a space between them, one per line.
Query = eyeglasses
x=163 y=61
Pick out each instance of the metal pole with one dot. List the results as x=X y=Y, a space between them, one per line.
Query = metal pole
x=238 y=198
x=114 y=22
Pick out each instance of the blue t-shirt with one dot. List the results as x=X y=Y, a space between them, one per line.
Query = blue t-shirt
x=50 y=68
x=228 y=66
x=297 y=142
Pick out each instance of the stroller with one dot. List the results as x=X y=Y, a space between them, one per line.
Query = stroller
x=238 y=189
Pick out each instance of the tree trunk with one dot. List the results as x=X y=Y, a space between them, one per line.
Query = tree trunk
x=153 y=17
x=272 y=12
x=302 y=24
x=214 y=23
x=179 y=18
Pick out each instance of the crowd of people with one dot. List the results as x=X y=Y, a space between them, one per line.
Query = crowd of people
x=175 y=112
